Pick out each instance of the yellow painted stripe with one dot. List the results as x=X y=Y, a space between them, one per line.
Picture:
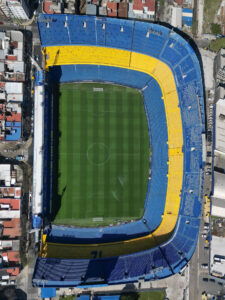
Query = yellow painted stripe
x=64 y=55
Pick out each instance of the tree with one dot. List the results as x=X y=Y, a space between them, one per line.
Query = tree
x=215 y=28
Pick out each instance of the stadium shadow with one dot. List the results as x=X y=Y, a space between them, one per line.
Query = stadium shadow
x=55 y=74
x=97 y=268
x=56 y=198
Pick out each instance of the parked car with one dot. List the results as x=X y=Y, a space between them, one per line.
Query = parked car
x=204 y=266
x=19 y=157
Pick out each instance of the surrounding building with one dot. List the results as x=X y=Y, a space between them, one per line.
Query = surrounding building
x=187 y=17
x=112 y=9
x=218 y=198
x=12 y=77
x=217 y=256
x=220 y=92
x=12 y=67
x=142 y=9
x=15 y=9
x=220 y=126
x=176 y=16
x=57 y=7
x=123 y=10
x=52 y=7
x=10 y=230
x=219 y=67
x=91 y=9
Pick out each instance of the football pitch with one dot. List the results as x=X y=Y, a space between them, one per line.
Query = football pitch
x=101 y=154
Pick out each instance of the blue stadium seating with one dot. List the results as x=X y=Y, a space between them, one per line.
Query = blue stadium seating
x=119 y=34
x=71 y=73
x=165 y=44
x=170 y=55
x=149 y=38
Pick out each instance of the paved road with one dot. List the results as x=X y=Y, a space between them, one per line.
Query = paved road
x=200 y=9
x=194 y=276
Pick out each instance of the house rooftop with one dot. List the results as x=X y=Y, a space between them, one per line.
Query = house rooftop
x=11 y=232
x=13 y=203
x=112 y=9
x=11 y=256
x=140 y=4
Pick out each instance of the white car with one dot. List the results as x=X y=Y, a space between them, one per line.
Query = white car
x=204 y=266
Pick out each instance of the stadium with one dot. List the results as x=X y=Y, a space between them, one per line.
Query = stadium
x=119 y=125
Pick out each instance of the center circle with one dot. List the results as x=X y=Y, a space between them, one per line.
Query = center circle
x=97 y=154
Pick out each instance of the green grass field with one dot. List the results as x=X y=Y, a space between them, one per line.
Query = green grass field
x=101 y=154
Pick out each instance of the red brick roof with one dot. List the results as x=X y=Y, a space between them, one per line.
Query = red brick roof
x=179 y=2
x=11 y=57
x=13 y=271
x=123 y=10
x=8 y=191
x=14 y=203
x=14 y=117
x=112 y=9
x=46 y=7
x=14 y=44
x=12 y=223
x=11 y=232
x=11 y=228
x=13 y=256
x=140 y=4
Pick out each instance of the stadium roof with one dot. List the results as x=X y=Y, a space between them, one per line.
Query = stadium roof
x=38 y=150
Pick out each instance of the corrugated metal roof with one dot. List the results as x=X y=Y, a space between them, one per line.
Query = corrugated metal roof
x=91 y=9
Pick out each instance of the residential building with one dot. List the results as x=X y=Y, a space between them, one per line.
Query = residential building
x=217 y=256
x=220 y=126
x=219 y=67
x=10 y=230
x=18 y=9
x=218 y=198
x=12 y=76
x=112 y=9
x=142 y=9
x=52 y=7
x=123 y=10
x=176 y=16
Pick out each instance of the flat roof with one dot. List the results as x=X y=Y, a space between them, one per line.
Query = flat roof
x=5 y=173
x=217 y=248
x=219 y=159
x=14 y=87
x=219 y=187
x=38 y=149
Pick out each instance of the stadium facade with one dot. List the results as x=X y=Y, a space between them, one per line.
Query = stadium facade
x=164 y=67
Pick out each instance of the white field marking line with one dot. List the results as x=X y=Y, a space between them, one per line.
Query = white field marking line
x=97 y=219
x=98 y=89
